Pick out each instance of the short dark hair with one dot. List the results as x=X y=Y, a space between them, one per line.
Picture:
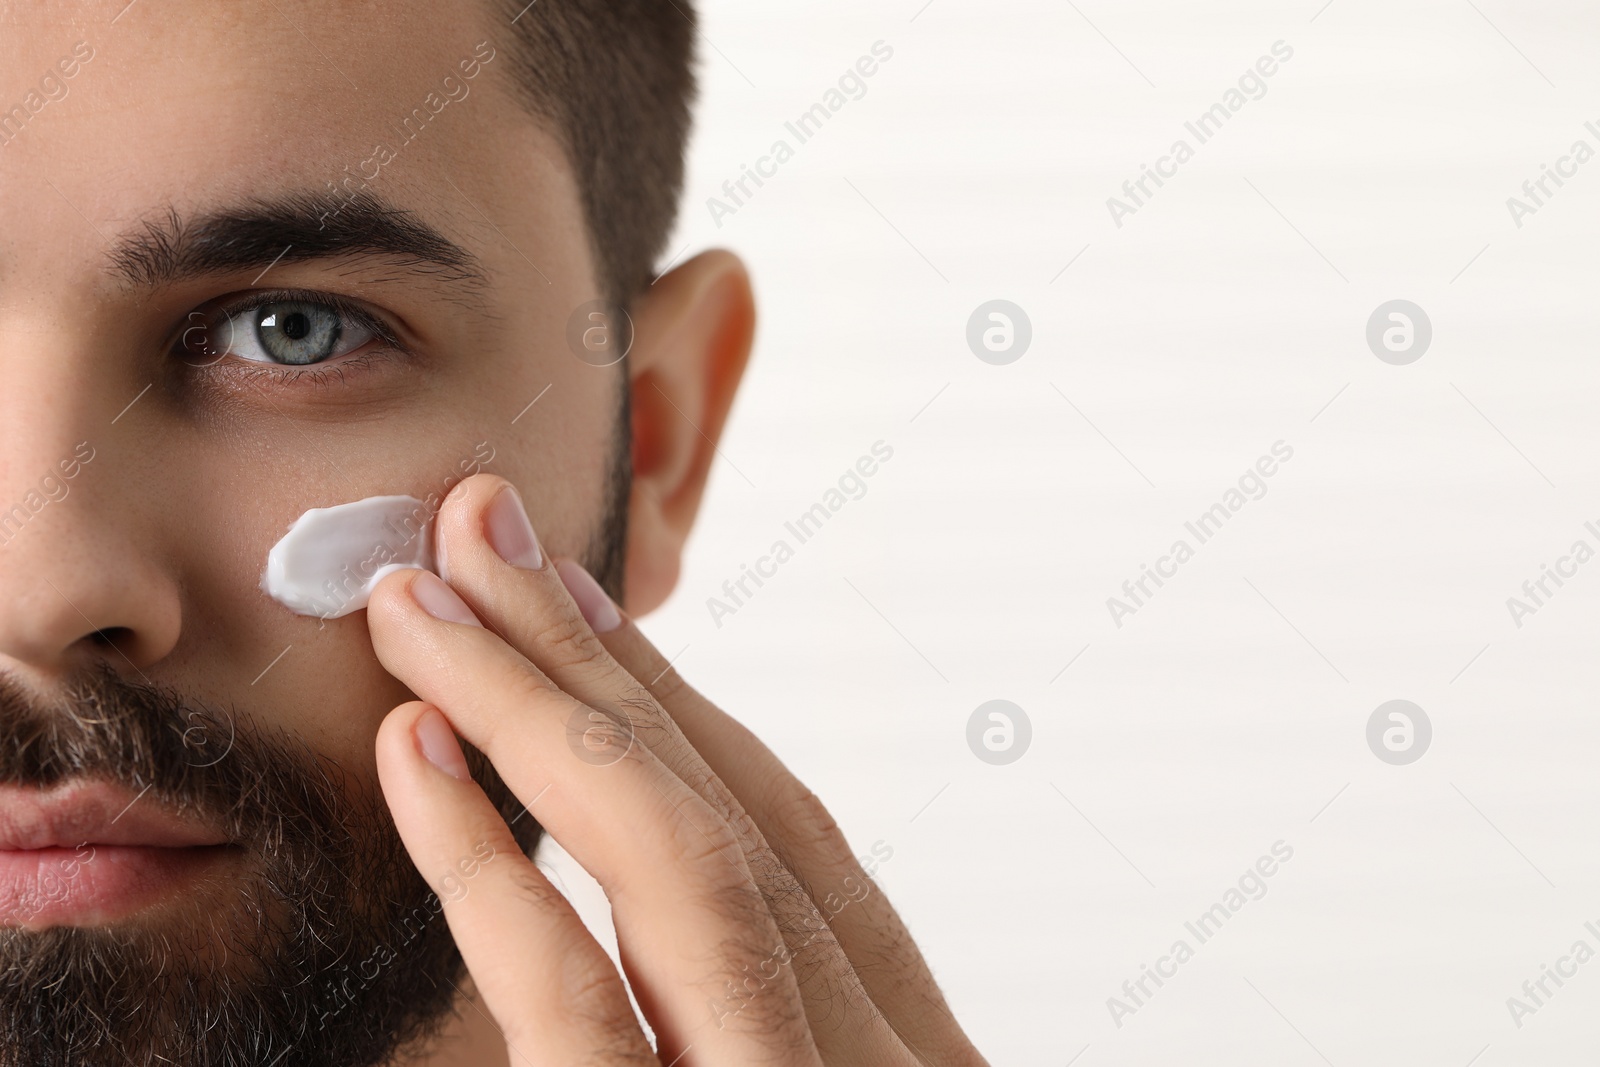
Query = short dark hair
x=616 y=80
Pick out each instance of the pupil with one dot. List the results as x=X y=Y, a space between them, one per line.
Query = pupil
x=296 y=326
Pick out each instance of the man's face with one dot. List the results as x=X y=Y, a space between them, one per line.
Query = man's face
x=162 y=428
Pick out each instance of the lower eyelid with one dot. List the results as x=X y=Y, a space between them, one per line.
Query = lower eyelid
x=332 y=373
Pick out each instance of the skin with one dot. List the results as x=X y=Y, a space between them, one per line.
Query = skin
x=158 y=545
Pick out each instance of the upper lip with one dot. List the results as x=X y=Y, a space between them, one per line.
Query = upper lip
x=96 y=813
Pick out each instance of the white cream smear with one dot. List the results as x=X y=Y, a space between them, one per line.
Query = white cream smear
x=331 y=559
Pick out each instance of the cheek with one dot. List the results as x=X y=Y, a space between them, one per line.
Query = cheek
x=557 y=452
x=318 y=681
x=322 y=681
x=564 y=478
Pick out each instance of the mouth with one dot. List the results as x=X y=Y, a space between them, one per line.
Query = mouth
x=88 y=853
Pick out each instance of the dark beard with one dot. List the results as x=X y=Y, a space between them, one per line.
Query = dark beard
x=331 y=949
x=336 y=951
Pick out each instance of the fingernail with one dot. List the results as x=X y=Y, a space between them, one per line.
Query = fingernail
x=439 y=553
x=438 y=744
x=598 y=610
x=509 y=532
x=439 y=600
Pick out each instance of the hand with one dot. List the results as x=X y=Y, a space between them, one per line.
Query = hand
x=747 y=928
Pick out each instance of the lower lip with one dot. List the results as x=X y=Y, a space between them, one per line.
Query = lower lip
x=95 y=884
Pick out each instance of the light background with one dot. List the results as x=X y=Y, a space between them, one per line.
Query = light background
x=1168 y=354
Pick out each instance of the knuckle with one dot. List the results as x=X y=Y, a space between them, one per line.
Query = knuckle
x=591 y=990
x=818 y=957
x=520 y=689
x=704 y=783
x=642 y=712
x=487 y=840
x=601 y=736
x=759 y=995
x=567 y=641
x=591 y=995
x=669 y=685
x=806 y=820
x=584 y=983
x=788 y=898
x=743 y=825
x=703 y=840
x=529 y=686
x=533 y=888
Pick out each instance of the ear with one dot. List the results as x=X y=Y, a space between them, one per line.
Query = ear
x=692 y=334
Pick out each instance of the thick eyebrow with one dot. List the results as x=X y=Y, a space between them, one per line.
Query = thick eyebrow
x=261 y=233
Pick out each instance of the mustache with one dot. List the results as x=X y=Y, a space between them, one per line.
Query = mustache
x=258 y=786
x=336 y=948
x=333 y=944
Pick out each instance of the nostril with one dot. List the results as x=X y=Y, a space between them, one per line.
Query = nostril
x=114 y=637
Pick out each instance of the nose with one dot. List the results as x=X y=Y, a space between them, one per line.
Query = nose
x=80 y=576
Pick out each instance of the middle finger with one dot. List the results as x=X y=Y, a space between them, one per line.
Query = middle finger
x=495 y=562
x=685 y=907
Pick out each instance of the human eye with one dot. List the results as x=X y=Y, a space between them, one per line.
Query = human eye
x=280 y=330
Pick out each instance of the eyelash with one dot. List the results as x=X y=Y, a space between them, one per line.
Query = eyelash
x=284 y=375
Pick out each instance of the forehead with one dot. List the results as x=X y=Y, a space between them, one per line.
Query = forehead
x=189 y=102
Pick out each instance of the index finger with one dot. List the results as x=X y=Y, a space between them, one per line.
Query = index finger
x=502 y=910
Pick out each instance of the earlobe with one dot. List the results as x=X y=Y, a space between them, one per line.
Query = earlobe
x=692 y=334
